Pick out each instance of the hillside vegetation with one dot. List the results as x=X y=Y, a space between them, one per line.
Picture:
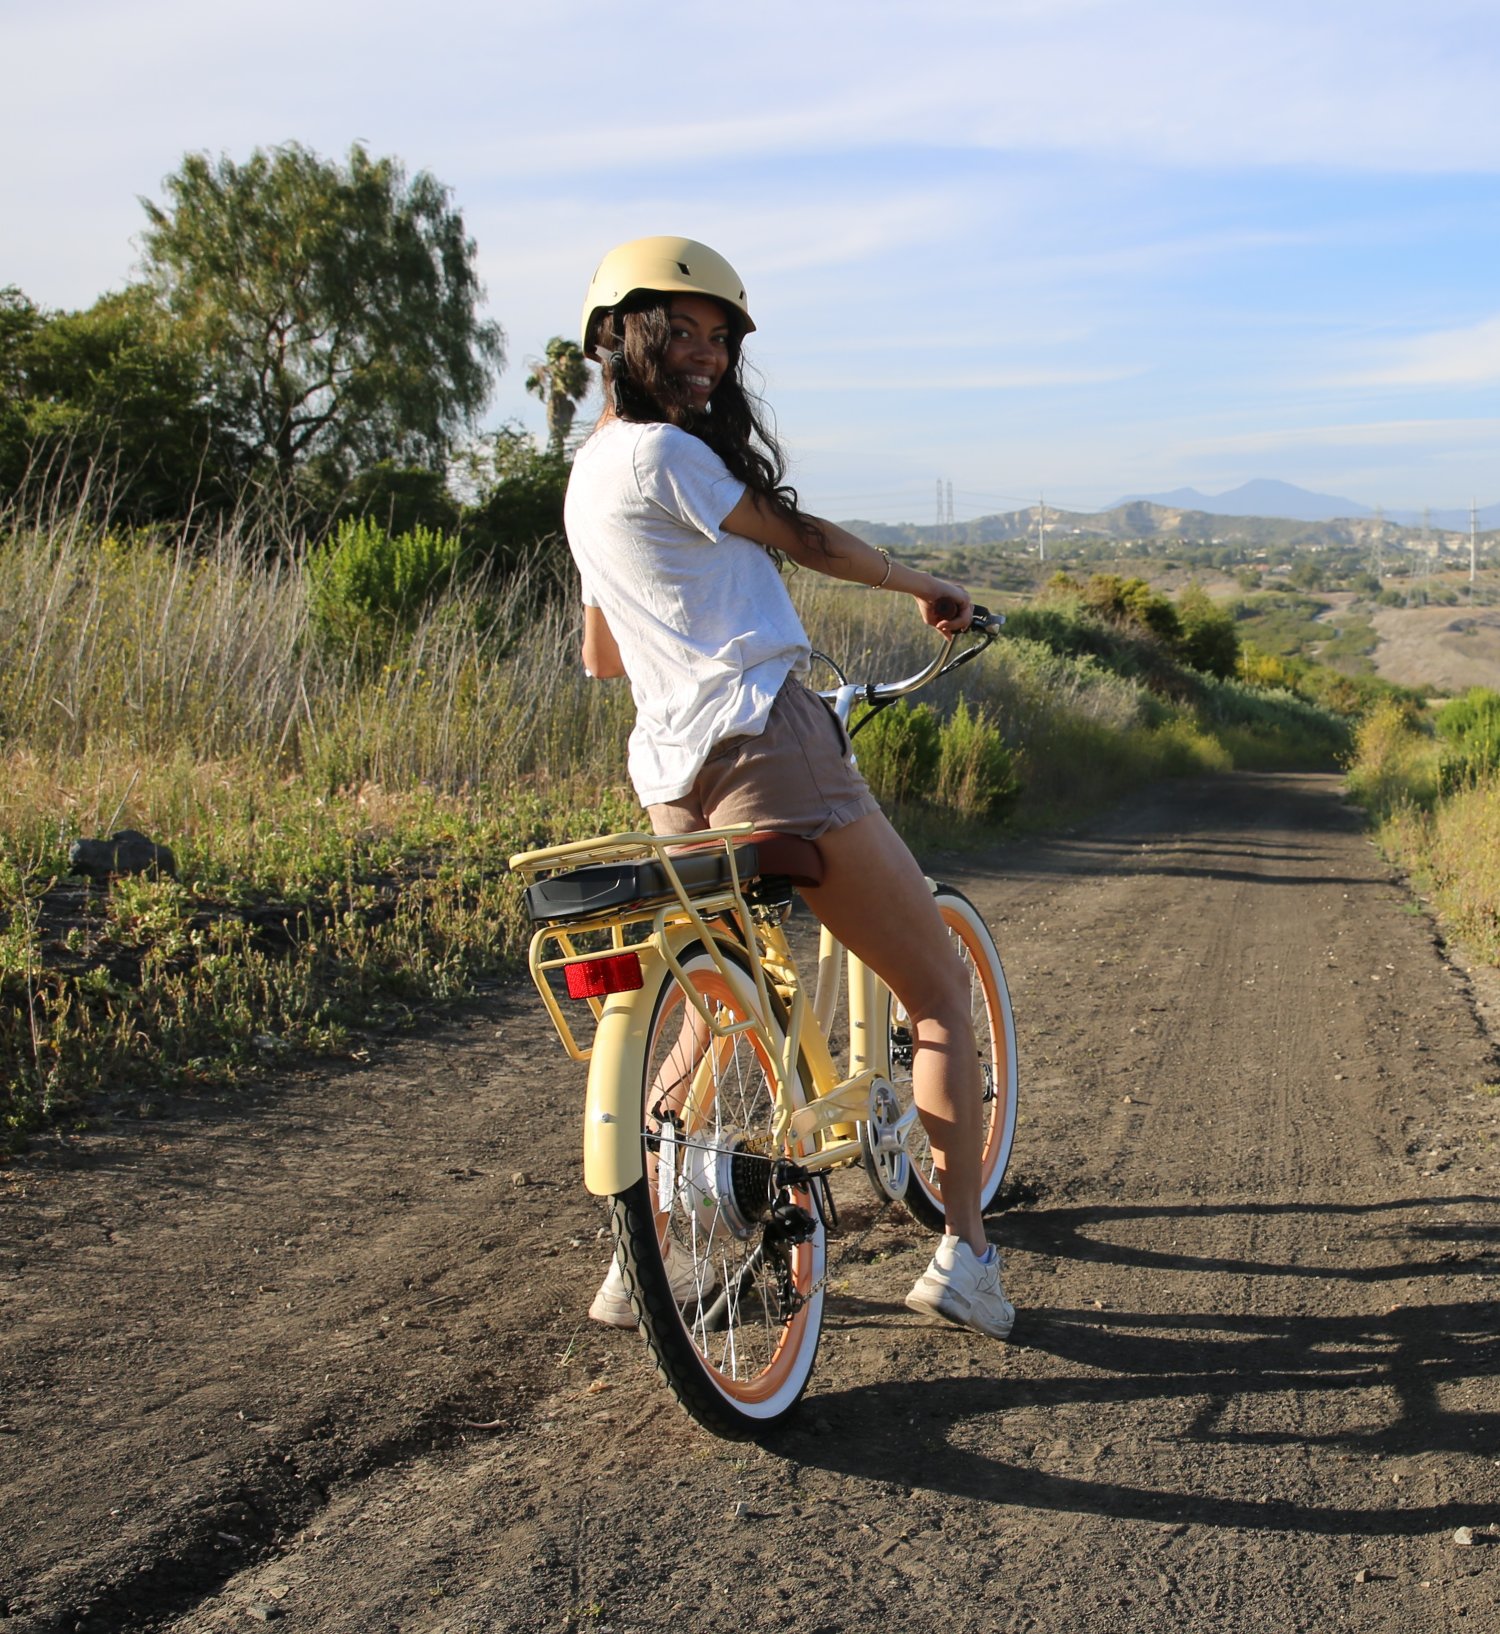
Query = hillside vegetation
x=342 y=747
x=1431 y=784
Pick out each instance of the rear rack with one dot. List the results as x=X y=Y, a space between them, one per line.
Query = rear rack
x=619 y=874
x=627 y=885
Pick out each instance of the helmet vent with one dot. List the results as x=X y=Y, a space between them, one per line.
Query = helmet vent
x=684 y=269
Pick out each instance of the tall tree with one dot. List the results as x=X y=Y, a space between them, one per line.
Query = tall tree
x=109 y=397
x=337 y=305
x=561 y=380
x=20 y=318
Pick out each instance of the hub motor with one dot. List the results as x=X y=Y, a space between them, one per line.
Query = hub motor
x=713 y=1172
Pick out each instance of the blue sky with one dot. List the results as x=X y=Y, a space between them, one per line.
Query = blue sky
x=1072 y=247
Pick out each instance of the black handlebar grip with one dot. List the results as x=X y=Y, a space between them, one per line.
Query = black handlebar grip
x=981 y=619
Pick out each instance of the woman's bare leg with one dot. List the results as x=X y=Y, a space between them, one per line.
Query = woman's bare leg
x=875 y=899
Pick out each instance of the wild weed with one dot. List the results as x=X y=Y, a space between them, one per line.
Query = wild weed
x=341 y=812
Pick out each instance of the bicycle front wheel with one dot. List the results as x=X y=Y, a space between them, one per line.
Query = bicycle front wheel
x=722 y=1242
x=995 y=1036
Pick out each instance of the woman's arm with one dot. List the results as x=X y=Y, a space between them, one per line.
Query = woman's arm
x=945 y=606
x=601 y=656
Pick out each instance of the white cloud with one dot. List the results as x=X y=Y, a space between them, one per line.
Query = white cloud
x=958 y=196
x=564 y=88
x=1469 y=356
x=978 y=379
x=1163 y=82
x=1444 y=434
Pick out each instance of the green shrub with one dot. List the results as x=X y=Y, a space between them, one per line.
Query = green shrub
x=365 y=584
x=1180 y=747
x=1274 y=672
x=522 y=507
x=1132 y=602
x=1395 y=763
x=399 y=498
x=976 y=771
x=1058 y=628
x=899 y=752
x=1470 y=730
x=1264 y=727
x=1209 y=641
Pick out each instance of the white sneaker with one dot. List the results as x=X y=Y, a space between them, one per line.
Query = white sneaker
x=961 y=1288
x=612 y=1303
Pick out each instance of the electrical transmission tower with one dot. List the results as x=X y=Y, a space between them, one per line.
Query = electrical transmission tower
x=944 y=518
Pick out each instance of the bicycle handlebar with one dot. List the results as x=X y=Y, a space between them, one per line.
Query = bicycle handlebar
x=983 y=624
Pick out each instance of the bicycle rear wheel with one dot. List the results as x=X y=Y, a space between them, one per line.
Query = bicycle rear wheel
x=722 y=1211
x=995 y=1034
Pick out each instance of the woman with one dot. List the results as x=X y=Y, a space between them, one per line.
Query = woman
x=678 y=519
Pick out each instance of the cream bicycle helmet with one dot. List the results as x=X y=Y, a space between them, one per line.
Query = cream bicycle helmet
x=660 y=264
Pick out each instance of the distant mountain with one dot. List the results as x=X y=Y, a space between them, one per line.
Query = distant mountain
x=1260 y=497
x=1145 y=519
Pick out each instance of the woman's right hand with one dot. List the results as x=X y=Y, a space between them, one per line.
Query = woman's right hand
x=946 y=606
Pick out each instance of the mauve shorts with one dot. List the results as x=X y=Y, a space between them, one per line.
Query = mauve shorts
x=795 y=777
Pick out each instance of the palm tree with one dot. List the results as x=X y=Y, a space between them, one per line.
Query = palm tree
x=561 y=380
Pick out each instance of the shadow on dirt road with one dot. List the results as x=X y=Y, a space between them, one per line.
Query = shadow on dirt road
x=320 y=1358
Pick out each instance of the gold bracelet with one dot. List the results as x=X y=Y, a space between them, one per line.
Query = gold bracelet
x=880 y=584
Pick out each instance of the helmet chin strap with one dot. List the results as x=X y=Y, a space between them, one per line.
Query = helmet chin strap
x=614 y=359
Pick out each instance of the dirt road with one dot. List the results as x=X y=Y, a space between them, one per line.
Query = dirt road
x=322 y=1361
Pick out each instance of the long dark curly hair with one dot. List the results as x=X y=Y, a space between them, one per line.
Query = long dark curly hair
x=633 y=339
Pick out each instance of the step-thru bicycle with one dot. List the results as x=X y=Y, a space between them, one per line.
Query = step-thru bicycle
x=715 y=1111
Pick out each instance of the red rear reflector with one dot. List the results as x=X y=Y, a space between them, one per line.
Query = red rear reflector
x=619 y=973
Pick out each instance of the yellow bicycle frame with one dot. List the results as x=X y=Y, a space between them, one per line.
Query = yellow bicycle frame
x=823 y=1131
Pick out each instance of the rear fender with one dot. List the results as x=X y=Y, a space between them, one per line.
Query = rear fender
x=612 y=1157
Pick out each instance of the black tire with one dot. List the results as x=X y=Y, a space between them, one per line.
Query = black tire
x=736 y=1345
x=995 y=1032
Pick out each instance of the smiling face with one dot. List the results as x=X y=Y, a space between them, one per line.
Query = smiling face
x=698 y=351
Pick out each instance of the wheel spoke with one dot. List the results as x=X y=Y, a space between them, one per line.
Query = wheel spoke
x=737 y=1340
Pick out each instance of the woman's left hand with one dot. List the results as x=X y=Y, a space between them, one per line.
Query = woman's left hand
x=945 y=606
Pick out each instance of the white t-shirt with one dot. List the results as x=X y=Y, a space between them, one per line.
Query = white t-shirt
x=705 y=627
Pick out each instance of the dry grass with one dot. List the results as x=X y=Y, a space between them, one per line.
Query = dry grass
x=1448 y=843
x=341 y=820
x=1453 y=852
x=1446 y=650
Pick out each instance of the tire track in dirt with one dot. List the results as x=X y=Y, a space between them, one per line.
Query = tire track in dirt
x=1255 y=1237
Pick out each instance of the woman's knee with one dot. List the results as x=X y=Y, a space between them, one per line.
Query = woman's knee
x=933 y=990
